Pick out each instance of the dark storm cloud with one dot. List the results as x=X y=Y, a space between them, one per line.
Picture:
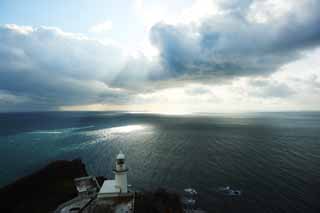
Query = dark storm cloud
x=232 y=45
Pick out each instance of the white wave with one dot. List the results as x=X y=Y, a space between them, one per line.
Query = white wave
x=79 y=128
x=45 y=132
x=60 y=131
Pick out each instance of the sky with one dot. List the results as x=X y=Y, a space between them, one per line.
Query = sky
x=180 y=56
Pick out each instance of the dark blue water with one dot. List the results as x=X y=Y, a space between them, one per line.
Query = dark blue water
x=273 y=158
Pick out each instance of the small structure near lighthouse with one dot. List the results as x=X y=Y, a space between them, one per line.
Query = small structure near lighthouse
x=119 y=186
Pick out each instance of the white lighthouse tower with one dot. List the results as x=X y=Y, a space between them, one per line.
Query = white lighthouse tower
x=121 y=173
x=118 y=186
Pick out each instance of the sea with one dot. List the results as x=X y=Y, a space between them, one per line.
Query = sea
x=272 y=158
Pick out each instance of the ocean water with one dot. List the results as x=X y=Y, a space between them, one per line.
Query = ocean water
x=273 y=158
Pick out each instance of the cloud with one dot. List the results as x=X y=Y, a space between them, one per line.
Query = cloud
x=101 y=27
x=312 y=81
x=45 y=68
x=50 y=68
x=268 y=88
x=231 y=44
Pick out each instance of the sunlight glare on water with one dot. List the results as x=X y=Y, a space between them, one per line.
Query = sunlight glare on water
x=126 y=129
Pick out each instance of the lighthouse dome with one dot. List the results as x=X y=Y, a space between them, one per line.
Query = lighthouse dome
x=120 y=156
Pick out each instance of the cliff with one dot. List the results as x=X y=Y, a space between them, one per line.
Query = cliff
x=43 y=190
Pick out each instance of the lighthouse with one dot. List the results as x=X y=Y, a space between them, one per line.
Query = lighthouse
x=121 y=173
x=119 y=185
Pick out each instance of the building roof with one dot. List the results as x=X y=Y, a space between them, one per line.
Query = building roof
x=84 y=184
x=109 y=186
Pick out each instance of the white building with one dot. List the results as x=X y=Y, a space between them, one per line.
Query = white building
x=118 y=186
